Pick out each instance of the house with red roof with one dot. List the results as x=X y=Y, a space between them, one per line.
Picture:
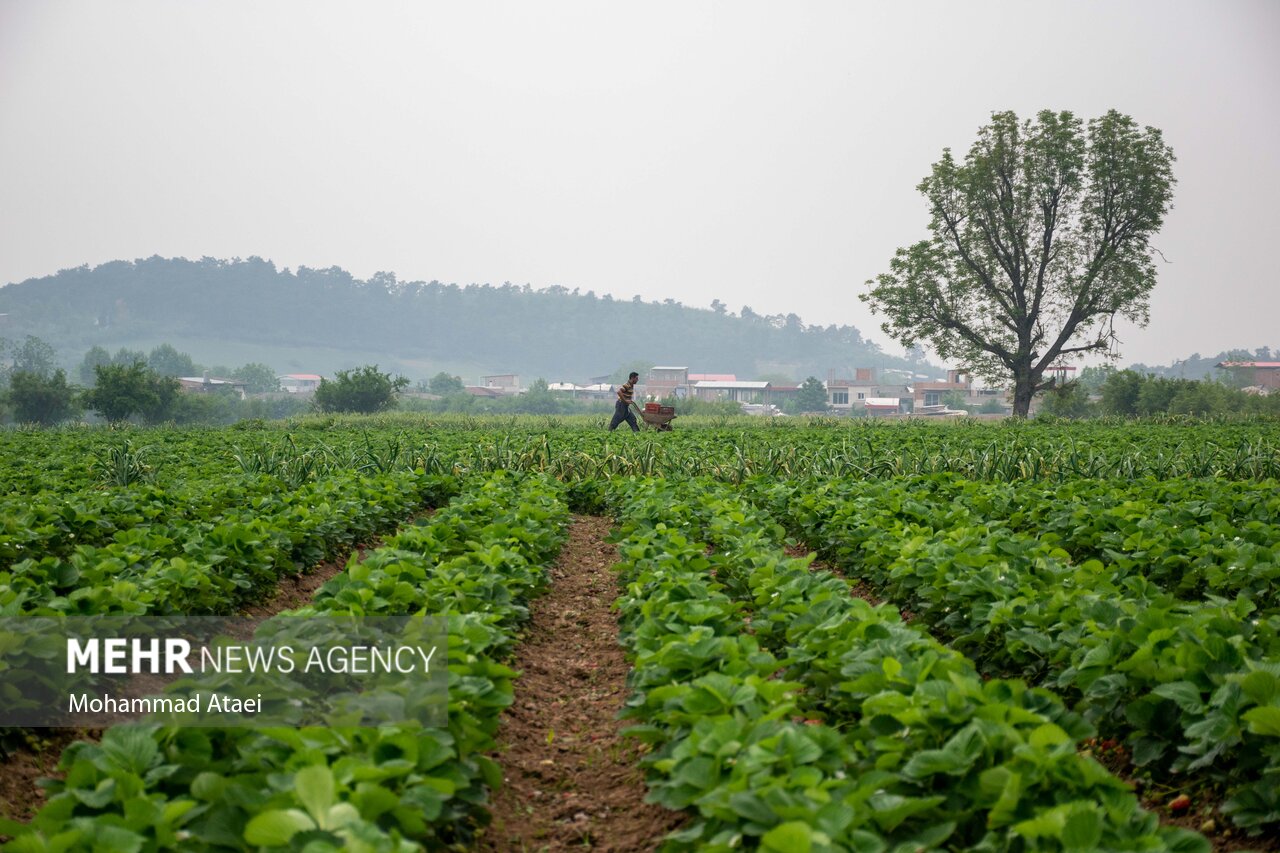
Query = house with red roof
x=1256 y=374
x=300 y=383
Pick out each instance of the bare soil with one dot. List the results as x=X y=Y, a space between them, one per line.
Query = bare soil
x=571 y=780
x=1201 y=815
x=21 y=770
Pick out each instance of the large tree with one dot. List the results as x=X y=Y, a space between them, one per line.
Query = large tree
x=32 y=356
x=364 y=390
x=167 y=361
x=442 y=383
x=123 y=390
x=1038 y=241
x=42 y=400
x=258 y=378
x=812 y=396
x=92 y=359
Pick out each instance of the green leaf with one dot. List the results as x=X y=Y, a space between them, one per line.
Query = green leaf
x=314 y=788
x=208 y=786
x=490 y=771
x=1052 y=822
x=890 y=810
x=1184 y=693
x=928 y=762
x=1260 y=686
x=1048 y=735
x=1006 y=787
x=1264 y=721
x=130 y=748
x=790 y=837
x=116 y=839
x=699 y=772
x=1082 y=831
x=274 y=828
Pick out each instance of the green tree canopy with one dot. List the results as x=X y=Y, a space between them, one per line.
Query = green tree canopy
x=32 y=355
x=125 y=356
x=1038 y=241
x=94 y=357
x=812 y=396
x=443 y=384
x=167 y=361
x=258 y=378
x=121 y=391
x=538 y=399
x=42 y=400
x=363 y=390
x=1120 y=393
x=1068 y=401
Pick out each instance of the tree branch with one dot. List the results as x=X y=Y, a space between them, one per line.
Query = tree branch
x=952 y=228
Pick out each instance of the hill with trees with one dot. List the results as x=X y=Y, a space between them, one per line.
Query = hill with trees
x=322 y=320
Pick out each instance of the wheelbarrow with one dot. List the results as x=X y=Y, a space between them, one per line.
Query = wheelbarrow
x=657 y=417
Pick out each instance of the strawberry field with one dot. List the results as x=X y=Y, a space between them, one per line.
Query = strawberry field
x=841 y=636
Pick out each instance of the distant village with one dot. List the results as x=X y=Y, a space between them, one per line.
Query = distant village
x=869 y=392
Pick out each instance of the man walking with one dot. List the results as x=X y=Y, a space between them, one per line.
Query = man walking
x=622 y=408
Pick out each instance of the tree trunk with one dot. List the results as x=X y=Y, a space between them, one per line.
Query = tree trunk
x=1024 y=388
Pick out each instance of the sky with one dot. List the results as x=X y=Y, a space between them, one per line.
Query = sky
x=760 y=153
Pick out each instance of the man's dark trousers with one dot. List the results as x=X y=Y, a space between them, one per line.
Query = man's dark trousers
x=622 y=412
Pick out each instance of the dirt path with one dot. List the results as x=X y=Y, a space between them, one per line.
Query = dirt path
x=572 y=781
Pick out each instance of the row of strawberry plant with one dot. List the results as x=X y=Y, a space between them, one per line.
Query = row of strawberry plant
x=1193 y=687
x=1190 y=537
x=210 y=565
x=903 y=746
x=49 y=524
x=395 y=787
x=1193 y=538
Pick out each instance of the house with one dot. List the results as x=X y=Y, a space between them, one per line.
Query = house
x=713 y=377
x=1255 y=374
x=482 y=391
x=927 y=396
x=738 y=392
x=667 y=382
x=504 y=383
x=781 y=393
x=597 y=391
x=299 y=383
x=882 y=406
x=930 y=398
x=208 y=385
x=594 y=391
x=849 y=395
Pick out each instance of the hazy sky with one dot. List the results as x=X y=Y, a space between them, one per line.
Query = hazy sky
x=764 y=154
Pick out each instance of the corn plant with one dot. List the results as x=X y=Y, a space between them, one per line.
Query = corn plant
x=122 y=465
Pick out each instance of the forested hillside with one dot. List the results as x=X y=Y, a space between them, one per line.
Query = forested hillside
x=338 y=320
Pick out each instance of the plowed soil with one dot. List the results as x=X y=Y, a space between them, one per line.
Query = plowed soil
x=571 y=780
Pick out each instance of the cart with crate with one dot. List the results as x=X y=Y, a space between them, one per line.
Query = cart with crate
x=658 y=417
